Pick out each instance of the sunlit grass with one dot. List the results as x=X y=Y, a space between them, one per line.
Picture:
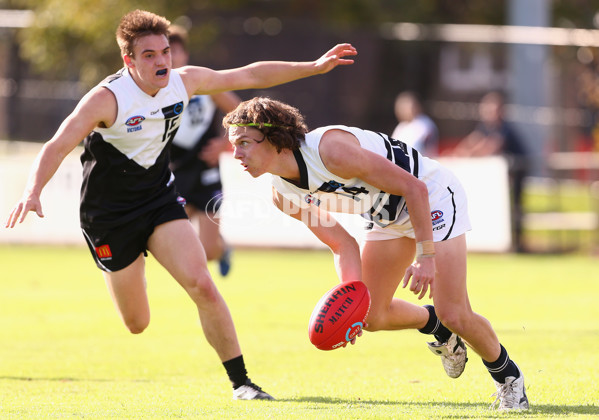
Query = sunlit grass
x=65 y=354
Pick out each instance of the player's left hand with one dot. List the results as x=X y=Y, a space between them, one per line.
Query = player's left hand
x=422 y=273
x=334 y=58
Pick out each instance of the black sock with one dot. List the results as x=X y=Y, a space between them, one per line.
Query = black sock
x=502 y=367
x=236 y=370
x=434 y=326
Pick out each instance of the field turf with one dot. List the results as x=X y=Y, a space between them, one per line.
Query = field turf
x=65 y=354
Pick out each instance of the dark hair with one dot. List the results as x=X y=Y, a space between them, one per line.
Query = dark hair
x=137 y=24
x=282 y=125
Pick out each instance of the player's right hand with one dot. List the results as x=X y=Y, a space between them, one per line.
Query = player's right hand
x=334 y=57
x=19 y=212
x=422 y=275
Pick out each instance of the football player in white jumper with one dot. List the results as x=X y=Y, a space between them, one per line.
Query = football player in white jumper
x=417 y=219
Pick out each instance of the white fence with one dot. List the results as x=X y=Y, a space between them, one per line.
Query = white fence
x=248 y=217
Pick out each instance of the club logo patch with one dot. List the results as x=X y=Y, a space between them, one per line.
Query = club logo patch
x=103 y=252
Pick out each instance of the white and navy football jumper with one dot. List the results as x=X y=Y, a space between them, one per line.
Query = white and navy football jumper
x=125 y=166
x=196 y=181
x=198 y=120
x=318 y=186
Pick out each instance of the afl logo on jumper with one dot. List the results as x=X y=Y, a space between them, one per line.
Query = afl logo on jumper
x=134 y=123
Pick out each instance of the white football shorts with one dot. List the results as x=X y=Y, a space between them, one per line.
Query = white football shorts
x=449 y=210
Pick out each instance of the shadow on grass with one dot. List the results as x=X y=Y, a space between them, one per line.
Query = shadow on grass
x=66 y=379
x=535 y=410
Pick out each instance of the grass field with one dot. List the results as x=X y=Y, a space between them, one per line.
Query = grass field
x=65 y=354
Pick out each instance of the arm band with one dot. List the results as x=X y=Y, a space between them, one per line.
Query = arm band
x=425 y=249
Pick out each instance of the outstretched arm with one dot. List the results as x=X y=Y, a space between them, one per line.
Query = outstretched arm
x=98 y=106
x=263 y=74
x=343 y=246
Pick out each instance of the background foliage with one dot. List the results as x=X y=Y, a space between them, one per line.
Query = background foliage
x=76 y=37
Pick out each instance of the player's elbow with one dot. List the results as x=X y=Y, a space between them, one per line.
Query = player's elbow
x=417 y=191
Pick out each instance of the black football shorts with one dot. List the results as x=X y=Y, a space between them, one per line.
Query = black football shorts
x=115 y=248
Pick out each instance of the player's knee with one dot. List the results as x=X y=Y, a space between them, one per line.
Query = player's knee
x=137 y=325
x=136 y=329
x=203 y=289
x=374 y=322
x=212 y=253
x=453 y=319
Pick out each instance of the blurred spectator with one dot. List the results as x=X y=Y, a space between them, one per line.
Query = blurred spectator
x=195 y=155
x=494 y=136
x=415 y=128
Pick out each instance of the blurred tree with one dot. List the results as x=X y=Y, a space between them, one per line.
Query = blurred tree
x=576 y=13
x=75 y=38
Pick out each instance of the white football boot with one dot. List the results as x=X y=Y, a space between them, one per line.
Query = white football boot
x=250 y=391
x=512 y=394
x=453 y=355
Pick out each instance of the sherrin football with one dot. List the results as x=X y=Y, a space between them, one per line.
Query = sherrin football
x=339 y=315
